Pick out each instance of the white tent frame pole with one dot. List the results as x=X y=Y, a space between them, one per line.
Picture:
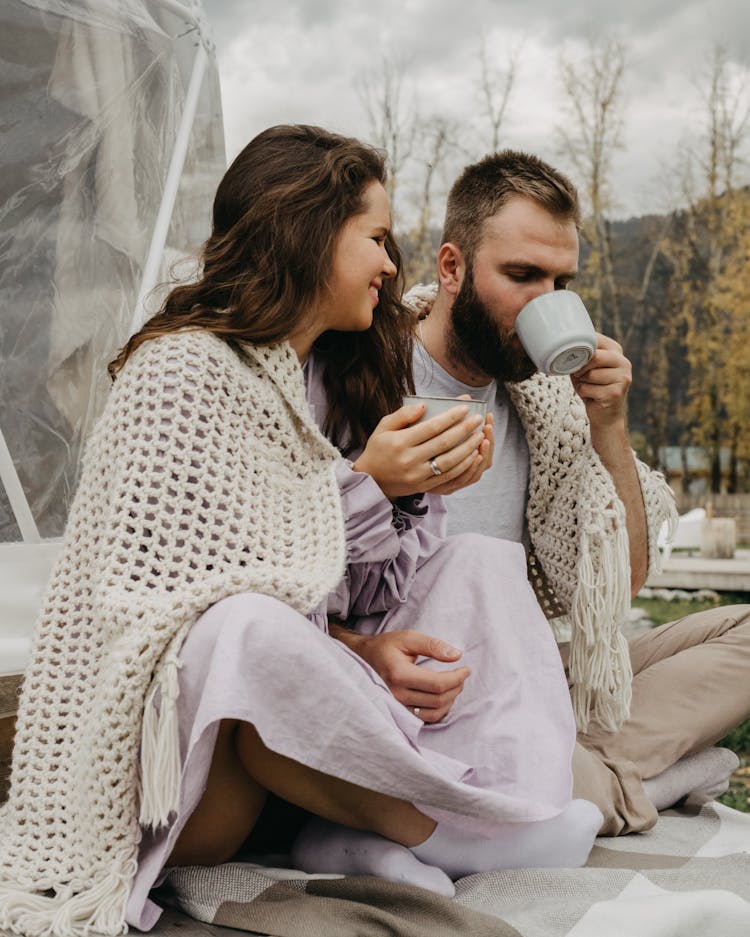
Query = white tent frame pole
x=152 y=266
x=16 y=495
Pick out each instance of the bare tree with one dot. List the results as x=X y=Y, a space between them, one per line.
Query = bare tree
x=393 y=120
x=727 y=111
x=495 y=87
x=590 y=137
x=437 y=138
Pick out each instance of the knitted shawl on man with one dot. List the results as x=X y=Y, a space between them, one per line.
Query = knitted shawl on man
x=580 y=562
x=206 y=476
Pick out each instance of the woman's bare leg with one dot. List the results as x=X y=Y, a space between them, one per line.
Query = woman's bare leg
x=227 y=811
x=355 y=831
x=329 y=797
x=243 y=769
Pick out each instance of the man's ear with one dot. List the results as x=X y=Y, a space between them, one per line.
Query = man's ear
x=451 y=267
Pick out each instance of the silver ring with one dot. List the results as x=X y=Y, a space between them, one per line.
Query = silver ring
x=416 y=710
x=434 y=467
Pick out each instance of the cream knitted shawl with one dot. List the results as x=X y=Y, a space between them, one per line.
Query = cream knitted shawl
x=580 y=560
x=205 y=476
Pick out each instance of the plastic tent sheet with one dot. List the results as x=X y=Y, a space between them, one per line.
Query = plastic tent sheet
x=92 y=96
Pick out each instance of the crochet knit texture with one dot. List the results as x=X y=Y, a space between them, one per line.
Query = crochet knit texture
x=580 y=559
x=206 y=476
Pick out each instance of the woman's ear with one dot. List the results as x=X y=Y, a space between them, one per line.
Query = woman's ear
x=451 y=267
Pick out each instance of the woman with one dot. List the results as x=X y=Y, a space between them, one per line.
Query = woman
x=181 y=668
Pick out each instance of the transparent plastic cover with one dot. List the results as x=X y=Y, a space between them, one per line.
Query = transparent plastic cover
x=92 y=96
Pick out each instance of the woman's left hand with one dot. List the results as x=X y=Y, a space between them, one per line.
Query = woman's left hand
x=483 y=461
x=442 y=454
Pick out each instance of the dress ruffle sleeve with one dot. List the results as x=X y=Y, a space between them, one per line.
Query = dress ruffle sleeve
x=385 y=543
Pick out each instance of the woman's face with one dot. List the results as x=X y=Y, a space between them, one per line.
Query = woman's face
x=360 y=264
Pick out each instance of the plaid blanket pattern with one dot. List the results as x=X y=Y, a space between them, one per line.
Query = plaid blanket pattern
x=689 y=876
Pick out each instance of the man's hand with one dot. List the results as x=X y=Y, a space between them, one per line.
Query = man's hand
x=392 y=655
x=603 y=386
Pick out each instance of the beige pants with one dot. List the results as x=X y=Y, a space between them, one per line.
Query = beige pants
x=691 y=685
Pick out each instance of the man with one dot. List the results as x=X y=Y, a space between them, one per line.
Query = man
x=564 y=481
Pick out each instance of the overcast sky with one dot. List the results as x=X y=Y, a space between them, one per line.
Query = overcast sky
x=304 y=61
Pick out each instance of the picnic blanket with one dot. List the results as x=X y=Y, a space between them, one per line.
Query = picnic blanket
x=687 y=877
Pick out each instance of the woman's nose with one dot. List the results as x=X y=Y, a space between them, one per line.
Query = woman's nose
x=389 y=268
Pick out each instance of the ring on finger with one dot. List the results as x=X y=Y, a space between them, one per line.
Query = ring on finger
x=434 y=467
x=416 y=710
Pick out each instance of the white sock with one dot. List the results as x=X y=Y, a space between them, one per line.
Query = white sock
x=565 y=841
x=705 y=772
x=327 y=847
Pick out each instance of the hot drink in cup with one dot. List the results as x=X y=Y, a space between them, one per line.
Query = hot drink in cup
x=557 y=332
x=437 y=405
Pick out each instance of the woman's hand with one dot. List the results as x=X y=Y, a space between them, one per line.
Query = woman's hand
x=392 y=655
x=485 y=454
x=441 y=454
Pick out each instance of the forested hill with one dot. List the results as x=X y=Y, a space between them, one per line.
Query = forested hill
x=678 y=299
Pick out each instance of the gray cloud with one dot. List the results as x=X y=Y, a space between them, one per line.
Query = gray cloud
x=303 y=60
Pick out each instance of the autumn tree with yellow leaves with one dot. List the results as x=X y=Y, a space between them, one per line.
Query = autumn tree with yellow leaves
x=733 y=294
x=709 y=250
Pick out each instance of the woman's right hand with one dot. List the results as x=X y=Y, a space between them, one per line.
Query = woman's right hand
x=400 y=452
x=393 y=654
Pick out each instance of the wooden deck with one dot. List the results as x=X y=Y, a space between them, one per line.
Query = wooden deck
x=695 y=572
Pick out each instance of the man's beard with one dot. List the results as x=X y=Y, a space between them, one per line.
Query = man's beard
x=477 y=342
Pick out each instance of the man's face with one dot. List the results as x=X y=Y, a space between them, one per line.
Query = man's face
x=524 y=251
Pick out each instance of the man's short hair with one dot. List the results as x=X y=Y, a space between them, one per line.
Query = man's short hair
x=483 y=189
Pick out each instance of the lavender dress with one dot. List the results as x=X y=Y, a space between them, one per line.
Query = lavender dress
x=502 y=754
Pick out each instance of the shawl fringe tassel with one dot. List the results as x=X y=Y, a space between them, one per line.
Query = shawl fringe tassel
x=599 y=665
x=99 y=909
x=160 y=748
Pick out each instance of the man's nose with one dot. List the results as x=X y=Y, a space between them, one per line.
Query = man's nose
x=537 y=288
x=540 y=287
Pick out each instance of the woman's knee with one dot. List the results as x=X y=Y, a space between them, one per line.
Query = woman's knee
x=249 y=605
x=258 y=621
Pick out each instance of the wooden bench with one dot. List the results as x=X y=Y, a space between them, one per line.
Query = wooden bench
x=8 y=707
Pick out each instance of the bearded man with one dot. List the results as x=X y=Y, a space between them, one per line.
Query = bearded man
x=565 y=483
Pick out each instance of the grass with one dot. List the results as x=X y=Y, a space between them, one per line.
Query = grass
x=738 y=795
x=660 y=611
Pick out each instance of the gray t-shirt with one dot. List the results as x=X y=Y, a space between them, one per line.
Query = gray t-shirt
x=496 y=504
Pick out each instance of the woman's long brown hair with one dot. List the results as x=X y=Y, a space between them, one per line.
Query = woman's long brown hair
x=277 y=215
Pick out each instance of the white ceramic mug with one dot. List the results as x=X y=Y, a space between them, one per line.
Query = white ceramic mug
x=557 y=332
x=436 y=405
